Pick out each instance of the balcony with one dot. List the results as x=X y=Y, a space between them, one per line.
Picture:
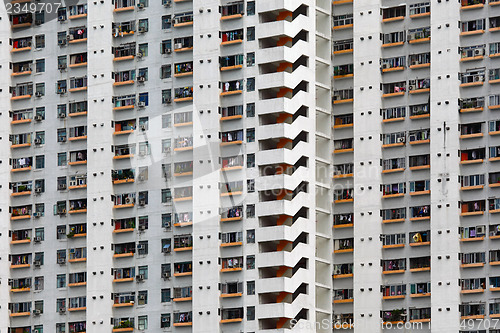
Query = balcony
x=183 y=294
x=77 y=206
x=124 y=52
x=418 y=290
x=21 y=68
x=183 y=94
x=183 y=169
x=77 y=255
x=125 y=127
x=420 y=213
x=473 y=27
x=231 y=87
x=231 y=138
x=183 y=269
x=395 y=190
x=77 y=230
x=472 y=4
x=21 y=188
x=183 y=243
x=20 y=237
x=341 y=296
x=124 y=78
x=21 y=20
x=343 y=245
x=391 y=140
x=393 y=64
x=77 y=12
x=343 y=146
x=341 y=22
x=124 y=250
x=343 y=171
x=475 y=104
x=124 y=225
x=231 y=289
x=393 y=292
x=472 y=53
x=183 y=69
x=343 y=96
x=125 y=102
x=183 y=193
x=232 y=11
x=231 y=239
x=123 y=29
x=21 y=44
x=77 y=35
x=422 y=238
x=471 y=208
x=472 y=286
x=419 y=86
x=420 y=264
x=494 y=76
x=341 y=196
x=419 y=162
x=183 y=20
x=182 y=319
x=422 y=315
x=21 y=91
x=232 y=264
x=343 y=71
x=126 y=200
x=420 y=187
x=418 y=61
x=393 y=89
x=393 y=14
x=21 y=212
x=183 y=144
x=341 y=271
x=124 y=5
x=232 y=37
x=393 y=39
x=393 y=165
x=78 y=60
x=183 y=219
x=20 y=261
x=232 y=214
x=472 y=260
x=343 y=46
x=395 y=215
x=20 y=309
x=472 y=156
x=471 y=182
x=420 y=35
x=183 y=44
x=395 y=266
x=229 y=63
x=472 y=310
x=122 y=275
x=123 y=324
x=124 y=151
x=234 y=315
x=393 y=316
x=123 y=299
x=231 y=189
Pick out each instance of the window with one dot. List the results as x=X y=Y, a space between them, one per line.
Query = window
x=250 y=287
x=40 y=17
x=165 y=145
x=250 y=185
x=250 y=59
x=40 y=111
x=40 y=136
x=250 y=312
x=144 y=148
x=143 y=72
x=251 y=262
x=250 y=8
x=143 y=27
x=251 y=84
x=250 y=110
x=38 y=328
x=166 y=195
x=40 y=89
x=165 y=320
x=166 y=22
x=39 y=283
x=61 y=281
x=40 y=65
x=142 y=248
x=142 y=322
x=165 y=71
x=143 y=270
x=143 y=48
x=40 y=161
x=142 y=297
x=61 y=135
x=40 y=208
x=166 y=121
x=250 y=33
x=62 y=159
x=250 y=134
x=165 y=295
x=61 y=328
x=166 y=96
x=251 y=161
x=61 y=231
x=40 y=233
x=251 y=236
x=39 y=41
x=250 y=211
x=166 y=47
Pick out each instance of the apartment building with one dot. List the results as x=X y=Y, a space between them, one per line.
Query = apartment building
x=250 y=166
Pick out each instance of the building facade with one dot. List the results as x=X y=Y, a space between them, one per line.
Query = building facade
x=249 y=166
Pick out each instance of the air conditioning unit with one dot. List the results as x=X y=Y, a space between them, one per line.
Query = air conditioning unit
x=140 y=247
x=37 y=214
x=140 y=277
x=37 y=312
x=169 y=100
x=38 y=190
x=142 y=227
x=412 y=87
x=141 y=79
x=142 y=153
x=61 y=66
x=62 y=115
x=385 y=66
x=61 y=261
x=139 y=55
x=61 y=42
x=61 y=19
x=141 y=104
x=38 y=22
x=38 y=118
x=38 y=141
x=62 y=91
x=62 y=186
x=70 y=37
x=142 y=298
x=115 y=31
x=167 y=3
x=38 y=94
x=142 y=29
x=140 y=178
x=62 y=139
x=143 y=127
x=61 y=231
x=62 y=309
x=37 y=239
x=478 y=52
x=400 y=140
x=37 y=263
x=166 y=275
x=480 y=229
x=168 y=51
x=140 y=5
x=178 y=46
x=142 y=202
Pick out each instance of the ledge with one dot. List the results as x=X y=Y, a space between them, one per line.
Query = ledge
x=76 y=138
x=399 y=271
x=121 y=305
x=225 y=270
x=416 y=16
x=420 y=40
x=123 y=9
x=182 y=299
x=471 y=84
x=421 y=192
x=123 y=83
x=393 y=221
x=230 y=42
x=183 y=99
x=189 y=123
x=123 y=181
x=393 y=69
x=20 y=314
x=393 y=44
x=20 y=266
x=17 y=194
x=233 y=92
x=393 y=246
x=119 y=231
x=390 y=196
x=228 y=219
x=77 y=114
x=20 y=290
x=230 y=68
x=183 y=199
x=183 y=274
x=180 y=249
x=418 y=66
x=472 y=213
x=393 y=297
x=231 y=17
x=239 y=116
x=344 y=201
x=347 y=175
x=22 y=241
x=76 y=41
x=123 y=280
x=344 y=276
x=342 y=301
x=126 y=329
x=342 y=101
x=21 y=49
x=123 y=255
x=420 y=91
x=392 y=19
x=472 y=58
x=77 y=211
x=21 y=73
x=77 y=284
x=21 y=169
x=420 y=167
x=183 y=148
x=420 y=244
x=231 y=168
x=471 y=136
x=395 y=94
x=231 y=244
x=480 y=264
x=129 y=57
x=469 y=188
x=480 y=5
x=231 y=295
x=78 y=260
x=419 y=142
x=420 y=116
x=420 y=295
x=472 y=317
x=22 y=145
x=124 y=206
x=183 y=224
x=338 y=77
x=125 y=107
x=183 y=24
x=16 y=98
x=123 y=132
x=473 y=161
x=82 y=64
x=184 y=49
x=183 y=324
x=343 y=251
x=479 y=109
x=183 y=74
x=229 y=321
x=77 y=163
x=341 y=151
x=472 y=291
x=20 y=217
x=421 y=218
x=417 y=270
x=119 y=157
x=393 y=170
x=181 y=174
x=343 y=126
x=74 y=17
